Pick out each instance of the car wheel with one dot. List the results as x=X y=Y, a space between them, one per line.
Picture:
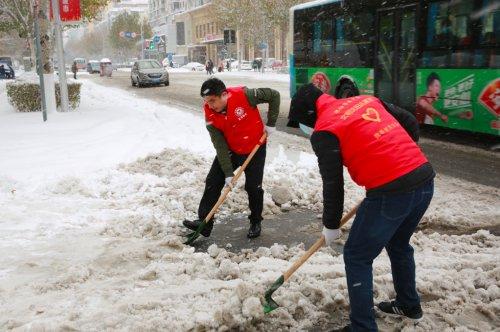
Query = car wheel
x=132 y=81
x=167 y=83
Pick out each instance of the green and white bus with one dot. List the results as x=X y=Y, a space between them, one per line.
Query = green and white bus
x=440 y=59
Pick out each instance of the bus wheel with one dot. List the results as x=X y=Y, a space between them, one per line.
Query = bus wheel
x=346 y=89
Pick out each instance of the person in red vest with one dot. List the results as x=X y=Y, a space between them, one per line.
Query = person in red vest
x=235 y=128
x=376 y=142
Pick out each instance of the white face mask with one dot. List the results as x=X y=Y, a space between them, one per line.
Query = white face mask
x=306 y=130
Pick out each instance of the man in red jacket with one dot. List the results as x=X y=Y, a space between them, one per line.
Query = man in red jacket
x=235 y=127
x=376 y=143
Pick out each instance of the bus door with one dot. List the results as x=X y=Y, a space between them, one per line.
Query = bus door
x=396 y=56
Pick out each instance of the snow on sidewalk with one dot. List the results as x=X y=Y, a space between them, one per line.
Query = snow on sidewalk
x=90 y=223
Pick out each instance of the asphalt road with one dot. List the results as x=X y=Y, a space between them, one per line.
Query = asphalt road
x=469 y=160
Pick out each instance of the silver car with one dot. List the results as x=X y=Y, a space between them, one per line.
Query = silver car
x=148 y=72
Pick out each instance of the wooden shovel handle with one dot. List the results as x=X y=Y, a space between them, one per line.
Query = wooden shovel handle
x=318 y=244
x=226 y=191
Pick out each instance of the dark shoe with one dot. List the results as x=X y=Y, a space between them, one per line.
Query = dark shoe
x=393 y=309
x=194 y=224
x=254 y=230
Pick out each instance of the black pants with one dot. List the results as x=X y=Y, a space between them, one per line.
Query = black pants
x=253 y=184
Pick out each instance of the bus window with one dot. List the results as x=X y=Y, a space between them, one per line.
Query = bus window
x=462 y=58
x=487 y=58
x=334 y=38
x=434 y=59
x=490 y=22
x=449 y=23
x=302 y=37
x=354 y=40
x=323 y=42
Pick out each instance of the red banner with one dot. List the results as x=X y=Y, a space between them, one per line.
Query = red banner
x=69 y=10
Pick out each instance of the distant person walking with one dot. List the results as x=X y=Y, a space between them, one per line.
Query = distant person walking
x=211 y=66
x=2 y=71
x=74 y=69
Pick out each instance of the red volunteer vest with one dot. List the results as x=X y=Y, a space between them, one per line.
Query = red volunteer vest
x=241 y=125
x=375 y=148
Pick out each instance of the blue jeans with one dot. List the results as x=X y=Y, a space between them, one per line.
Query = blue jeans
x=385 y=221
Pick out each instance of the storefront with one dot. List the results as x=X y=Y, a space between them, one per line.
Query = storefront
x=197 y=53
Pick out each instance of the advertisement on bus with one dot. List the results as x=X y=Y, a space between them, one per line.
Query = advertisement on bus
x=459 y=98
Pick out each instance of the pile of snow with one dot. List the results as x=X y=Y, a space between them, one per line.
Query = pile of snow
x=91 y=235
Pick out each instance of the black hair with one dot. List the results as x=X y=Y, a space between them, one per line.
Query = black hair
x=303 y=106
x=212 y=87
x=431 y=78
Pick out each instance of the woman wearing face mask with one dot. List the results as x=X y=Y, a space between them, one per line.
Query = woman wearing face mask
x=376 y=142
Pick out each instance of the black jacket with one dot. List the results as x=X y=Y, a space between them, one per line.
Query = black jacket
x=326 y=146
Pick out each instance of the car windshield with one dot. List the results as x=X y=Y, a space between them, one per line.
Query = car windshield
x=149 y=65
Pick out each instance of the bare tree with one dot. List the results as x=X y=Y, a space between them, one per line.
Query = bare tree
x=17 y=15
x=255 y=20
x=278 y=12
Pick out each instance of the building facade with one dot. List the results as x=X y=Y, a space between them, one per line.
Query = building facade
x=192 y=32
x=198 y=35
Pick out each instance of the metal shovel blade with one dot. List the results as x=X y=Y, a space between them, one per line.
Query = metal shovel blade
x=193 y=236
x=270 y=304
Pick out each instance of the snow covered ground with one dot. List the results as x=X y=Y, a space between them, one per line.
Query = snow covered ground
x=91 y=240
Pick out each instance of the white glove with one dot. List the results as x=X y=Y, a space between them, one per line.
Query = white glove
x=330 y=235
x=228 y=182
x=270 y=130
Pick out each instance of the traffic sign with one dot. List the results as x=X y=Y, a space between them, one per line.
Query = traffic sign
x=128 y=34
x=156 y=39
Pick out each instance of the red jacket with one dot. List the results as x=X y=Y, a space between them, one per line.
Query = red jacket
x=375 y=148
x=242 y=125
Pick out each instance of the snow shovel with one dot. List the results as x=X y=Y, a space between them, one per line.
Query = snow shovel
x=270 y=304
x=193 y=236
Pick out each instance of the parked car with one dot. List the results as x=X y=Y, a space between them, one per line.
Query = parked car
x=9 y=71
x=106 y=67
x=246 y=65
x=81 y=63
x=194 y=66
x=148 y=72
x=276 y=64
x=93 y=67
x=6 y=59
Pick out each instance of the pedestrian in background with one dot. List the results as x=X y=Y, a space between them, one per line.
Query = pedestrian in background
x=74 y=69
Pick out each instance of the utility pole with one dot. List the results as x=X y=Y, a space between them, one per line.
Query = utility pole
x=39 y=65
x=142 y=42
x=63 y=85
